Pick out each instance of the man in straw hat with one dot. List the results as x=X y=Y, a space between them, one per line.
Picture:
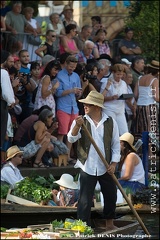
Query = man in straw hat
x=105 y=130
x=68 y=16
x=10 y=173
x=131 y=169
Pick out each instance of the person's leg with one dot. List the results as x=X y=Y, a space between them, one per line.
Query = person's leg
x=63 y=122
x=87 y=186
x=122 y=123
x=44 y=145
x=109 y=191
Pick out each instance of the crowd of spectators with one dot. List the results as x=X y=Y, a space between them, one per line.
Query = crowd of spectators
x=60 y=71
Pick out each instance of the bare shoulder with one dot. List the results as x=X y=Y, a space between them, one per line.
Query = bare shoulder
x=39 y=124
x=131 y=156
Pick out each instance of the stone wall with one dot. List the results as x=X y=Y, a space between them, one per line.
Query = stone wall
x=113 y=14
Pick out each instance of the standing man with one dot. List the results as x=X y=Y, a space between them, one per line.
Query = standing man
x=67 y=93
x=105 y=130
x=23 y=93
x=6 y=96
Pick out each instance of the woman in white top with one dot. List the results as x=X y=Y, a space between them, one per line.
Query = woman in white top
x=147 y=94
x=131 y=169
x=112 y=89
x=46 y=89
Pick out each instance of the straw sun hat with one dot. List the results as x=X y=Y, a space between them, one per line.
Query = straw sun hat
x=154 y=64
x=128 y=137
x=12 y=151
x=66 y=180
x=94 y=98
x=67 y=7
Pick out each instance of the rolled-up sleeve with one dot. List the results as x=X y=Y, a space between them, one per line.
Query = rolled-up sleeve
x=72 y=138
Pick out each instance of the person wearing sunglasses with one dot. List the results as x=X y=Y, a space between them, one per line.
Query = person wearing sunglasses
x=10 y=174
x=92 y=169
x=48 y=47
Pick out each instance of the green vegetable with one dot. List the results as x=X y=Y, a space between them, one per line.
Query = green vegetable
x=31 y=191
x=4 y=190
x=57 y=224
x=67 y=235
x=3 y=229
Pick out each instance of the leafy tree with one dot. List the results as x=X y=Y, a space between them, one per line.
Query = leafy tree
x=144 y=19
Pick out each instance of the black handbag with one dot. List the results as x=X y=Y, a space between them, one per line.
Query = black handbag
x=35 y=41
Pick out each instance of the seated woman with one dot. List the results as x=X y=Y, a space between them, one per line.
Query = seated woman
x=131 y=169
x=39 y=134
x=68 y=191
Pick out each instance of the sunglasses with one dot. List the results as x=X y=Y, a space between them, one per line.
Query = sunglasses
x=53 y=35
x=20 y=156
x=88 y=105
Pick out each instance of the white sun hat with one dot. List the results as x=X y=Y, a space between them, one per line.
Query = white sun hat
x=66 y=180
x=125 y=60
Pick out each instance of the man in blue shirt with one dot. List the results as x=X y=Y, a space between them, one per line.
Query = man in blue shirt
x=66 y=95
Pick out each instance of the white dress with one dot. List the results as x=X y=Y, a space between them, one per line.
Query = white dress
x=116 y=108
x=49 y=100
x=31 y=48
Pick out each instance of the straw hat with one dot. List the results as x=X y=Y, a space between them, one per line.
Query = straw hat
x=12 y=151
x=94 y=98
x=128 y=137
x=67 y=7
x=154 y=64
x=66 y=180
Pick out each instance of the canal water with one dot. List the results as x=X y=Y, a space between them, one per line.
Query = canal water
x=151 y=222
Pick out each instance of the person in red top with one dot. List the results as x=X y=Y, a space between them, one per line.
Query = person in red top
x=67 y=43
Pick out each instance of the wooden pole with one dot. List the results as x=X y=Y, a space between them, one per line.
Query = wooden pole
x=116 y=181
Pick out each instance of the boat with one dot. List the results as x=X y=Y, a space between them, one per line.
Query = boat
x=125 y=229
x=27 y=215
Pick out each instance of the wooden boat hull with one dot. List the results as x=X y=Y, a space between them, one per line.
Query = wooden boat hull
x=124 y=228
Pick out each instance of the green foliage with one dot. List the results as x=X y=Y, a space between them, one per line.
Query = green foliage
x=4 y=190
x=47 y=182
x=144 y=19
x=57 y=224
x=31 y=191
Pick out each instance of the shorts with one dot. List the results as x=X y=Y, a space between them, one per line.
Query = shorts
x=64 y=121
x=30 y=149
